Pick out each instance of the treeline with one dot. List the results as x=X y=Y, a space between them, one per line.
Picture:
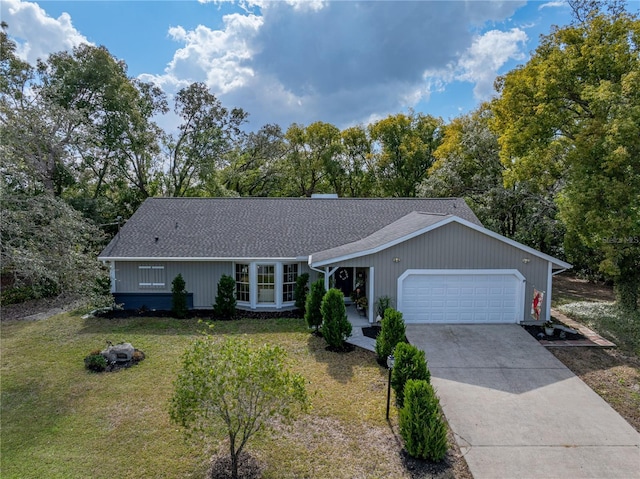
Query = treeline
x=552 y=162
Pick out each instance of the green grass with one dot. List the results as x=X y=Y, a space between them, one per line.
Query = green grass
x=62 y=421
x=623 y=328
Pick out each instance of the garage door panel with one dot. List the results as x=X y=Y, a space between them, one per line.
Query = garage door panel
x=466 y=297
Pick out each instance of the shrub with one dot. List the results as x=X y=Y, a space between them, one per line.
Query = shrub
x=382 y=304
x=179 y=297
x=421 y=424
x=335 y=325
x=95 y=362
x=410 y=363
x=392 y=332
x=301 y=290
x=225 y=305
x=312 y=312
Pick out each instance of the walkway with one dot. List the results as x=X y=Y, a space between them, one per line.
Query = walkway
x=358 y=322
x=518 y=412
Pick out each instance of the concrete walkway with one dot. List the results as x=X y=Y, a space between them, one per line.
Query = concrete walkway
x=518 y=412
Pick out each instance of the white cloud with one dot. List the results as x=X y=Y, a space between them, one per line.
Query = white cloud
x=554 y=4
x=36 y=33
x=341 y=62
x=488 y=53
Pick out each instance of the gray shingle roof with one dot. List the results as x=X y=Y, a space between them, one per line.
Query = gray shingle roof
x=263 y=227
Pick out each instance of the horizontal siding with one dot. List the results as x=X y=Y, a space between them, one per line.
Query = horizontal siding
x=453 y=246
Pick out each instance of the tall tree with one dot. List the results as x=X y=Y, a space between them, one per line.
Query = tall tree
x=310 y=165
x=573 y=112
x=252 y=166
x=468 y=165
x=208 y=131
x=405 y=145
x=356 y=160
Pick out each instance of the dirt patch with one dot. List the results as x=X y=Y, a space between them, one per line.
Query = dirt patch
x=611 y=374
x=40 y=308
x=570 y=288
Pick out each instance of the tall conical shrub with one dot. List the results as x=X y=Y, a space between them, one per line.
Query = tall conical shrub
x=312 y=313
x=179 y=297
x=410 y=363
x=392 y=332
x=335 y=325
x=421 y=424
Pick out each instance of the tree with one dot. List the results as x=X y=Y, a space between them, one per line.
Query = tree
x=232 y=386
x=208 y=131
x=252 y=166
x=406 y=144
x=573 y=112
x=47 y=248
x=179 y=297
x=225 y=305
x=312 y=312
x=311 y=158
x=468 y=165
x=336 y=328
x=421 y=424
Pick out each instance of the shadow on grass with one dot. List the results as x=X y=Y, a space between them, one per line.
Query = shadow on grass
x=339 y=364
x=189 y=327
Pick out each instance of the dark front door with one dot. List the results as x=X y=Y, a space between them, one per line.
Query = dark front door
x=344 y=280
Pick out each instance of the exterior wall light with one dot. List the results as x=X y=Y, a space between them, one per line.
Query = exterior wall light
x=526 y=260
x=396 y=260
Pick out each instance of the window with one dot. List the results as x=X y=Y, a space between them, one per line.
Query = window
x=289 y=276
x=242 y=282
x=266 y=283
x=151 y=277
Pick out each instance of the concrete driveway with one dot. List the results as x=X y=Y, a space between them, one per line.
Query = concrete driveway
x=518 y=412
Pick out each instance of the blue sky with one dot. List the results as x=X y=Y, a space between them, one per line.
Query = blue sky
x=342 y=62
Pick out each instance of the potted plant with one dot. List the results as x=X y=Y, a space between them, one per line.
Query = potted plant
x=362 y=303
x=548 y=328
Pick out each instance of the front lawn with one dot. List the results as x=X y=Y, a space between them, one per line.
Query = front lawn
x=61 y=421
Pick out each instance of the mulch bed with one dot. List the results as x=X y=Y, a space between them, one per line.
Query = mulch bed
x=371 y=331
x=195 y=313
x=558 y=334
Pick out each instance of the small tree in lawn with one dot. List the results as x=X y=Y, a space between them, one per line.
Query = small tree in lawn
x=301 y=290
x=410 y=363
x=225 y=305
x=233 y=386
x=179 y=297
x=312 y=312
x=392 y=332
x=335 y=325
x=421 y=424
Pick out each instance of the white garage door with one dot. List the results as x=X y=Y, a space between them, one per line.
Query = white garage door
x=461 y=296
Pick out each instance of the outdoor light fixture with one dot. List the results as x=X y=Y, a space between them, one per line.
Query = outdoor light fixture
x=396 y=260
x=390 y=363
x=526 y=260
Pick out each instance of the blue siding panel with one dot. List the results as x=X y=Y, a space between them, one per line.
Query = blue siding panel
x=159 y=301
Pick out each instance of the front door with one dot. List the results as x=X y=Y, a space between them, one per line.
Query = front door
x=344 y=280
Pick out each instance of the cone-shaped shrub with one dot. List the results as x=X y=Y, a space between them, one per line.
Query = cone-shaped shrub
x=312 y=313
x=421 y=424
x=335 y=325
x=301 y=290
x=392 y=332
x=225 y=306
x=410 y=363
x=179 y=297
